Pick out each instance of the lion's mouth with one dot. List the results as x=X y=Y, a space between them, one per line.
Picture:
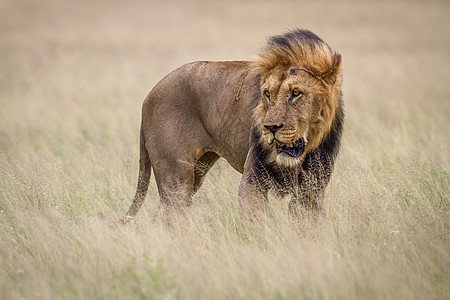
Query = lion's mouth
x=295 y=150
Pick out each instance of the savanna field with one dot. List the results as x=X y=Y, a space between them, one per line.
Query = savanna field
x=73 y=75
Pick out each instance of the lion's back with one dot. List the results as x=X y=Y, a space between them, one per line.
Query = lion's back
x=204 y=97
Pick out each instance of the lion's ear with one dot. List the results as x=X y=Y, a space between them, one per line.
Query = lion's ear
x=335 y=70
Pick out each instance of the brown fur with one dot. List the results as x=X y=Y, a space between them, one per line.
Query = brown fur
x=206 y=110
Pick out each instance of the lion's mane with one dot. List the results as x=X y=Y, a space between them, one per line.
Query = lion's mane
x=302 y=49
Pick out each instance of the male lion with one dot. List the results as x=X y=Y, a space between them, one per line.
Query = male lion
x=277 y=120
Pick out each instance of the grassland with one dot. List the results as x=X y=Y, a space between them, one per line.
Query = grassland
x=72 y=78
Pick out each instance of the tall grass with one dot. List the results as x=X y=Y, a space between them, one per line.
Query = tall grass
x=72 y=78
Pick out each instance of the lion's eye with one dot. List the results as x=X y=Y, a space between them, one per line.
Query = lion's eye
x=267 y=94
x=296 y=93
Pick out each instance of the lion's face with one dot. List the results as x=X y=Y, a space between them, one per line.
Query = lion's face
x=293 y=114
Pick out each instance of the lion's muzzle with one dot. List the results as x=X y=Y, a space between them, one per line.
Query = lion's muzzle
x=294 y=150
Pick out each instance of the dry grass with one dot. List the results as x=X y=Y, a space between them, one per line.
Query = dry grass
x=72 y=78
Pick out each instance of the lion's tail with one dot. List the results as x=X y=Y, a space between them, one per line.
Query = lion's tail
x=145 y=169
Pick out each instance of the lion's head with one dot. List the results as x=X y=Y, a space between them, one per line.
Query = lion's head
x=300 y=84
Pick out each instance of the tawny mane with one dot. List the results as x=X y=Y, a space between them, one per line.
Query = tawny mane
x=299 y=49
x=303 y=50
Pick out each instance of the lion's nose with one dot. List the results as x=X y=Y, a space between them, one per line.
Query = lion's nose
x=273 y=128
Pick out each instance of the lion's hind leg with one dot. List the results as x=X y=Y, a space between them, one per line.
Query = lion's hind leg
x=175 y=181
x=202 y=167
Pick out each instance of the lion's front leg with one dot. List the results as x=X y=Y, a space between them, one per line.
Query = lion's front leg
x=304 y=204
x=252 y=200
x=253 y=190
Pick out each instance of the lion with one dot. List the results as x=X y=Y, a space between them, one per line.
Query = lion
x=277 y=120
